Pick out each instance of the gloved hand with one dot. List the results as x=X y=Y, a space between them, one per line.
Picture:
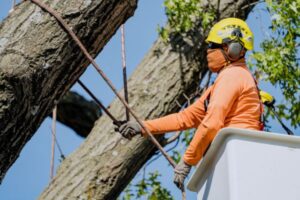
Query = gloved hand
x=129 y=129
x=180 y=173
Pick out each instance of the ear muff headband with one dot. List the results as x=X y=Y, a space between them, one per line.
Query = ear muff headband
x=235 y=47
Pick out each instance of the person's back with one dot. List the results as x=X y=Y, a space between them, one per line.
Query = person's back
x=246 y=109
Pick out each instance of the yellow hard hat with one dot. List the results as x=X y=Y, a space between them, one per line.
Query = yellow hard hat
x=266 y=98
x=230 y=29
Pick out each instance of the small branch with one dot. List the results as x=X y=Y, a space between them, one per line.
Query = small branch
x=251 y=4
x=178 y=104
x=173 y=138
x=159 y=155
x=188 y=99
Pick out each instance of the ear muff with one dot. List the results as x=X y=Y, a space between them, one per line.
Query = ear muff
x=234 y=50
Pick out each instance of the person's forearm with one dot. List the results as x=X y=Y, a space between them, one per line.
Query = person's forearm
x=165 y=124
x=190 y=117
x=199 y=144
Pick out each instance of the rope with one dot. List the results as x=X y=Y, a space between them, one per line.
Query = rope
x=98 y=102
x=53 y=130
x=124 y=68
x=95 y=65
x=288 y=131
x=54 y=142
x=62 y=156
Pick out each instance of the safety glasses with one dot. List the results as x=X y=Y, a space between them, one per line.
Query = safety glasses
x=213 y=46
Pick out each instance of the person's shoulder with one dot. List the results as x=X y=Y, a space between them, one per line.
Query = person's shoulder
x=235 y=70
x=234 y=73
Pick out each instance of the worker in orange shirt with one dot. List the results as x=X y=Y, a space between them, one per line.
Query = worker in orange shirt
x=233 y=99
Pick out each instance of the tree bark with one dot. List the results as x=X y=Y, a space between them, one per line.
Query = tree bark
x=105 y=163
x=39 y=62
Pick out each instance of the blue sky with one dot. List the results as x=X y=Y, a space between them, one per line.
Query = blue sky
x=29 y=175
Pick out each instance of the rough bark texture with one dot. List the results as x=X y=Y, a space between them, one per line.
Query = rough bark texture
x=39 y=62
x=105 y=163
x=74 y=111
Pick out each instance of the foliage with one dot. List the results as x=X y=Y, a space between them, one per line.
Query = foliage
x=184 y=15
x=278 y=58
x=188 y=136
x=176 y=155
x=150 y=188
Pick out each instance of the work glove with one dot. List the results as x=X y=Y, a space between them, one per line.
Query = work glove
x=180 y=173
x=129 y=129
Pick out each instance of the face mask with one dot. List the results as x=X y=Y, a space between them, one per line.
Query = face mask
x=216 y=60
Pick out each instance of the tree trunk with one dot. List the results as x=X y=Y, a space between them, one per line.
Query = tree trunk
x=39 y=62
x=105 y=163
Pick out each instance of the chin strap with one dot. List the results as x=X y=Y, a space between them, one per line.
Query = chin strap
x=228 y=62
x=226 y=57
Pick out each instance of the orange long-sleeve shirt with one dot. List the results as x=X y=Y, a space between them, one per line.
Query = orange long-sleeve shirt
x=234 y=102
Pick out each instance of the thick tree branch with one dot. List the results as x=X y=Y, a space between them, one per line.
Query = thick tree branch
x=77 y=113
x=39 y=62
